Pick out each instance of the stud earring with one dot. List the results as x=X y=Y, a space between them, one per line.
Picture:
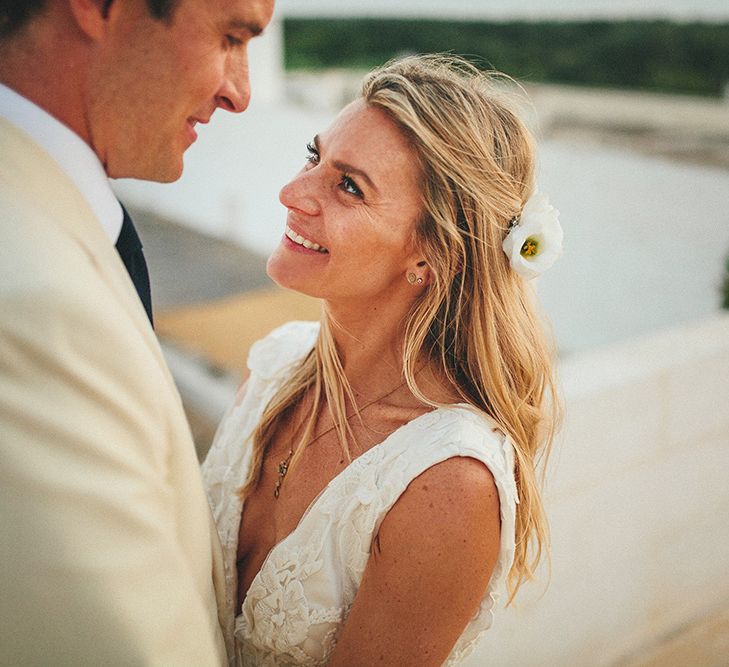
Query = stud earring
x=412 y=279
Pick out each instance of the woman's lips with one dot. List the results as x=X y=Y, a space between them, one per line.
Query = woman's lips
x=303 y=241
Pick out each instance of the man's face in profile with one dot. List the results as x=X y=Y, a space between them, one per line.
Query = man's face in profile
x=153 y=81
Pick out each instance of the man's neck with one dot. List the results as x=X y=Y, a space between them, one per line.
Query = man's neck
x=70 y=152
x=48 y=71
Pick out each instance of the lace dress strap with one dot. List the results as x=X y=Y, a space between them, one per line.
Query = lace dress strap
x=275 y=355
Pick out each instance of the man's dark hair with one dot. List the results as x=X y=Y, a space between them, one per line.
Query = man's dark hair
x=161 y=9
x=14 y=14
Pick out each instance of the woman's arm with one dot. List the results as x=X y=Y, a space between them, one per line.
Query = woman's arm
x=428 y=570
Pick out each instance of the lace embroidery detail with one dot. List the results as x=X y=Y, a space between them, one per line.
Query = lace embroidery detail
x=276 y=613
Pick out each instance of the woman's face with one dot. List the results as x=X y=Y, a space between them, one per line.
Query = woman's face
x=352 y=211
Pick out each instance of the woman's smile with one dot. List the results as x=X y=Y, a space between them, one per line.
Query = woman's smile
x=304 y=242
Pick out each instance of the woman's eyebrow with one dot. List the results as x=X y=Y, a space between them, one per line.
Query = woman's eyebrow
x=349 y=169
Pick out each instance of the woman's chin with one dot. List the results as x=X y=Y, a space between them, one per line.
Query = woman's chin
x=289 y=278
x=277 y=269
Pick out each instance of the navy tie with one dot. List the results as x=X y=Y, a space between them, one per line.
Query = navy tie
x=129 y=248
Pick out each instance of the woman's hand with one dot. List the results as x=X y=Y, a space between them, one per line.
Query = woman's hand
x=429 y=568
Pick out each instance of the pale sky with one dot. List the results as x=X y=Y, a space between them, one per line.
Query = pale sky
x=713 y=10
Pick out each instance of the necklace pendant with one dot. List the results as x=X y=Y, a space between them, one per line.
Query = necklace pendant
x=283 y=468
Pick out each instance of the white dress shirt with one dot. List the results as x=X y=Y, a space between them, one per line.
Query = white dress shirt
x=72 y=154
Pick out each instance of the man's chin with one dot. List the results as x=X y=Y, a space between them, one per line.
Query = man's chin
x=169 y=177
x=167 y=171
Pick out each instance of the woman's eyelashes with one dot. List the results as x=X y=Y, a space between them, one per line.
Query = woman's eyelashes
x=312 y=154
x=346 y=184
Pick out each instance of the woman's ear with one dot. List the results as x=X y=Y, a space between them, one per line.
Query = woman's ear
x=420 y=274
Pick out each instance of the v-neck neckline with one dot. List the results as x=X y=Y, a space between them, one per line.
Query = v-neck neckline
x=334 y=481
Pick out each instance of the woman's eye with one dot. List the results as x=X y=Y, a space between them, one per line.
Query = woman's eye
x=348 y=185
x=312 y=155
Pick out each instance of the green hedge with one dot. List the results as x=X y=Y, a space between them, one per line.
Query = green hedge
x=650 y=55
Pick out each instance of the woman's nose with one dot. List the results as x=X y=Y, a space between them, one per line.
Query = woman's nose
x=300 y=194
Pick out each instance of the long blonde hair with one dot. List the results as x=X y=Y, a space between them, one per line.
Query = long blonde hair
x=475 y=322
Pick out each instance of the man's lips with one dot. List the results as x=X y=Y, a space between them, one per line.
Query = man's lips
x=192 y=122
x=190 y=127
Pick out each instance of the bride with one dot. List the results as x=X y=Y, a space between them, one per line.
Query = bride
x=374 y=483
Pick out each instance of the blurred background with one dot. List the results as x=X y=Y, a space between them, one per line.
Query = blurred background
x=630 y=104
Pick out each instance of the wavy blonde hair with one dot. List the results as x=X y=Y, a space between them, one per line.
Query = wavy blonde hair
x=476 y=320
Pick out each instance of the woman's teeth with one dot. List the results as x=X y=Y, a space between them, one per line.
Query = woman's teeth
x=300 y=240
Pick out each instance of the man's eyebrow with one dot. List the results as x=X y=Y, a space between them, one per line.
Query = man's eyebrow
x=348 y=168
x=247 y=26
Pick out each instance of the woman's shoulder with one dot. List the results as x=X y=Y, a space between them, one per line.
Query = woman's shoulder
x=282 y=348
x=458 y=487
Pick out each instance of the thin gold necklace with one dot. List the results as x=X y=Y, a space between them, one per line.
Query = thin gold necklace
x=283 y=465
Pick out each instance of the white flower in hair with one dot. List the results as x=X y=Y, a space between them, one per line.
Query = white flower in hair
x=535 y=240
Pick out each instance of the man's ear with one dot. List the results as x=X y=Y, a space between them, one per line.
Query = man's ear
x=92 y=16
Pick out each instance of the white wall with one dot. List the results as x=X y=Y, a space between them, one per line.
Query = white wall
x=638 y=497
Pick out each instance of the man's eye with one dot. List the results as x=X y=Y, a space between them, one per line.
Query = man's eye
x=233 y=41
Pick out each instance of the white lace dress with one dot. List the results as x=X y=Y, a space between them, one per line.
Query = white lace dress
x=299 y=601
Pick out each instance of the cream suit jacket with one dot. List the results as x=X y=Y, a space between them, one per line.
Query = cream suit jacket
x=109 y=553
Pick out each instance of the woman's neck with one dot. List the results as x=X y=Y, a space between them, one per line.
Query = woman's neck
x=370 y=343
x=370 y=347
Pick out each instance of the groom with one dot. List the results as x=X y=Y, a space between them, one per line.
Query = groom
x=108 y=555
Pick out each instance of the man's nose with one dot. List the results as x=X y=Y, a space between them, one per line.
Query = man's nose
x=234 y=94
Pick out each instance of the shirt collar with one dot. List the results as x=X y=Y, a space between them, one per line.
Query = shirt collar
x=73 y=155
